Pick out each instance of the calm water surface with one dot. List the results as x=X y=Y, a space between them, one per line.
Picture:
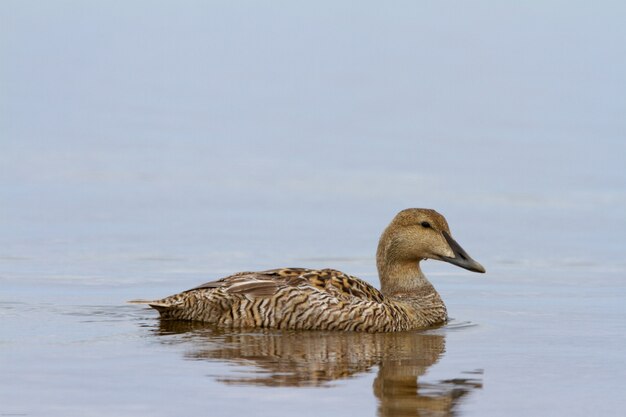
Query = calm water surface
x=147 y=148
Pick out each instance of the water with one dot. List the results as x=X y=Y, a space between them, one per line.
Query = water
x=147 y=148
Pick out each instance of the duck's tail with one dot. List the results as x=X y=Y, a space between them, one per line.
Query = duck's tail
x=155 y=304
x=140 y=301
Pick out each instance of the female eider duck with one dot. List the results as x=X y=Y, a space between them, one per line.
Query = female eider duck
x=326 y=299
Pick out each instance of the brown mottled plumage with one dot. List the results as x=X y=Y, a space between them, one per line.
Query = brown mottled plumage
x=326 y=299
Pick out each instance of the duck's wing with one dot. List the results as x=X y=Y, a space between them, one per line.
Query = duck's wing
x=268 y=283
x=251 y=283
x=342 y=285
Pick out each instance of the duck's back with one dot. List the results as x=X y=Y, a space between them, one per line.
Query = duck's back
x=290 y=298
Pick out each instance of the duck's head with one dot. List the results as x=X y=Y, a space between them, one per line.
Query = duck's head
x=417 y=234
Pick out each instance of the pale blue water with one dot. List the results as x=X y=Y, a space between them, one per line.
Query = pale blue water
x=148 y=147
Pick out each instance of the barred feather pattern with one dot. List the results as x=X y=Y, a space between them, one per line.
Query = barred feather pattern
x=303 y=299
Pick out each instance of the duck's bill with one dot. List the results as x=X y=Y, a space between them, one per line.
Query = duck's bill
x=461 y=258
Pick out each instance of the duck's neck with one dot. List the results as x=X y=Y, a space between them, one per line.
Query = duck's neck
x=399 y=268
x=403 y=279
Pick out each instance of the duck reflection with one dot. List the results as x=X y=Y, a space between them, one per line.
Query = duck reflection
x=299 y=359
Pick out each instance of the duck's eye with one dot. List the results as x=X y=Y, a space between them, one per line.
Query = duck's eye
x=425 y=224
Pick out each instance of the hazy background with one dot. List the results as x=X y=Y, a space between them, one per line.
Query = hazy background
x=169 y=119
x=150 y=146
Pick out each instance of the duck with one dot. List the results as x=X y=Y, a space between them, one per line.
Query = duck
x=327 y=299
